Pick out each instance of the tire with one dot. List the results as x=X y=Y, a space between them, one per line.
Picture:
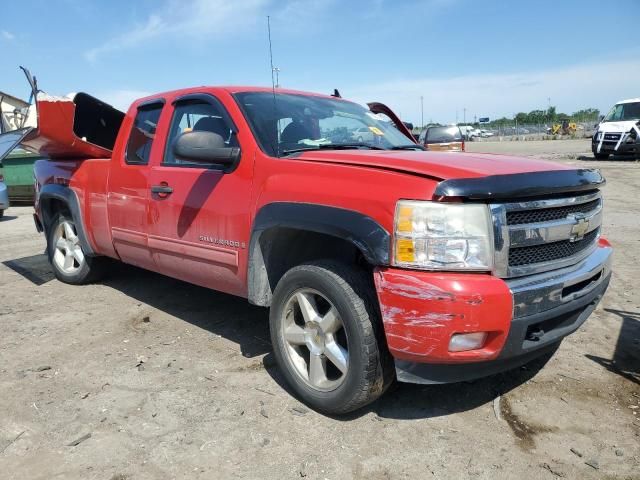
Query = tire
x=1 y=213
x=335 y=358
x=600 y=156
x=68 y=260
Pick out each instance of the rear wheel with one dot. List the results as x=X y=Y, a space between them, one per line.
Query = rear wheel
x=327 y=337
x=1 y=213
x=69 y=262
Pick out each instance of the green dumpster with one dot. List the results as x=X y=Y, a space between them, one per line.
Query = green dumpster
x=17 y=169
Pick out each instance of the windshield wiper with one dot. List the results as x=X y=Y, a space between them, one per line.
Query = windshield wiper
x=412 y=146
x=332 y=146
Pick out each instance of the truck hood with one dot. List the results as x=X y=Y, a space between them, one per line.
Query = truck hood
x=617 y=127
x=436 y=165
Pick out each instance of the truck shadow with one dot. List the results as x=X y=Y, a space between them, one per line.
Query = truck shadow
x=626 y=357
x=248 y=326
x=404 y=401
x=408 y=402
x=225 y=315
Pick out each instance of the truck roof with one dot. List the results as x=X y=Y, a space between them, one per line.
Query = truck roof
x=231 y=89
x=629 y=100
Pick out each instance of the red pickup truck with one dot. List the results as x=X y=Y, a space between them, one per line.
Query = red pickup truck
x=378 y=260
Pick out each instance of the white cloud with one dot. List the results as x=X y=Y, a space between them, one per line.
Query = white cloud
x=495 y=95
x=121 y=99
x=206 y=18
x=7 y=35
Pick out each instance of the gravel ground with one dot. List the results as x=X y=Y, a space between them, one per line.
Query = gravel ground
x=145 y=377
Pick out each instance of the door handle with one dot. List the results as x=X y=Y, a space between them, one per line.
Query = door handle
x=161 y=189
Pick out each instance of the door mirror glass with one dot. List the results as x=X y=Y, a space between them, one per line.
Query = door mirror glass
x=204 y=147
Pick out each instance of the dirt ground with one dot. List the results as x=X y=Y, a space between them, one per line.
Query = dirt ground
x=145 y=377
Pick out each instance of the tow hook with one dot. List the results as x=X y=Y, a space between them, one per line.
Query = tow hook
x=536 y=335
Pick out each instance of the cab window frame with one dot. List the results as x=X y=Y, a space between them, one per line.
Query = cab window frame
x=154 y=104
x=197 y=99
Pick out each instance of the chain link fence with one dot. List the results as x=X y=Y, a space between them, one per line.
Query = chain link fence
x=518 y=132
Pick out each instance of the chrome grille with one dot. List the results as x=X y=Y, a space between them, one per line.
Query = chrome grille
x=614 y=137
x=549 y=214
x=549 y=251
x=541 y=235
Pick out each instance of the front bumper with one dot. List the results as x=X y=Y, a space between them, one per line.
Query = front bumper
x=608 y=147
x=525 y=317
x=4 y=197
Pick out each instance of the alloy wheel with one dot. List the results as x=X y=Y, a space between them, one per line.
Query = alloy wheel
x=68 y=255
x=315 y=339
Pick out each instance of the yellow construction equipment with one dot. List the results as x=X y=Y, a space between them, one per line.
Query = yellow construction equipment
x=564 y=128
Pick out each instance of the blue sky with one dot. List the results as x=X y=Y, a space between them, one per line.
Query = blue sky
x=492 y=58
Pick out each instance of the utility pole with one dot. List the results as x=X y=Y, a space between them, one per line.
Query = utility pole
x=277 y=72
x=456 y=116
x=464 y=115
x=421 y=111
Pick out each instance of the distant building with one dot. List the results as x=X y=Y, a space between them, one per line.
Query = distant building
x=14 y=113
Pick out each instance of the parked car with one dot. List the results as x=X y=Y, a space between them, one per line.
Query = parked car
x=442 y=139
x=486 y=134
x=377 y=262
x=619 y=131
x=362 y=135
x=4 y=196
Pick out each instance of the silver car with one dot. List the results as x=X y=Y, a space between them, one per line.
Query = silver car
x=4 y=197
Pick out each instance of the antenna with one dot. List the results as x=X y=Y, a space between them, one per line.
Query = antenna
x=273 y=89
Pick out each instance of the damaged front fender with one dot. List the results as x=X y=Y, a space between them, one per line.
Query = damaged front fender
x=422 y=310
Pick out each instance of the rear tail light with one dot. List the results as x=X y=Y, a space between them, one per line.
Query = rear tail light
x=463 y=146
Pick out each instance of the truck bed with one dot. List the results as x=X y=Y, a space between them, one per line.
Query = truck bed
x=71 y=128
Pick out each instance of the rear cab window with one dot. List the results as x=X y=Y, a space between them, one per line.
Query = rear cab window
x=143 y=133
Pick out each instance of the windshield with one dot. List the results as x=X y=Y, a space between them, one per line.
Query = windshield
x=624 y=112
x=294 y=122
x=443 y=135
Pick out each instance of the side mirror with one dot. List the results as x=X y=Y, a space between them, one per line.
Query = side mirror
x=600 y=118
x=409 y=125
x=205 y=147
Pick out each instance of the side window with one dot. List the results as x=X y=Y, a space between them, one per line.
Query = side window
x=195 y=115
x=142 y=134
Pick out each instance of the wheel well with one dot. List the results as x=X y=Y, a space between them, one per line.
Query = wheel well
x=279 y=249
x=49 y=207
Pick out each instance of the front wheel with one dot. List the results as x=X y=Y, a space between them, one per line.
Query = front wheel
x=70 y=263
x=327 y=337
x=600 y=156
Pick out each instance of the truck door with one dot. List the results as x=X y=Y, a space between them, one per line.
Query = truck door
x=128 y=186
x=198 y=214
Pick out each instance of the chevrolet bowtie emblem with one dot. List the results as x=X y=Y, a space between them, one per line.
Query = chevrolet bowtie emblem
x=579 y=229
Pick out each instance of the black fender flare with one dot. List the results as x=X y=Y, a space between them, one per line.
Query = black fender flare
x=362 y=231
x=69 y=198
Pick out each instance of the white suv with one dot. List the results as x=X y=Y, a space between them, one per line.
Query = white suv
x=618 y=132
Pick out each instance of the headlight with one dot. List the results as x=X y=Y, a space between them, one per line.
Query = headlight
x=597 y=135
x=441 y=236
